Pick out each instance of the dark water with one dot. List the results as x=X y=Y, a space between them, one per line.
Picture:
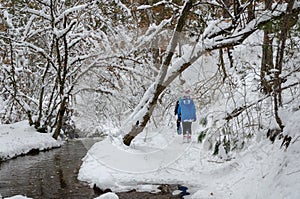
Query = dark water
x=50 y=174
x=53 y=174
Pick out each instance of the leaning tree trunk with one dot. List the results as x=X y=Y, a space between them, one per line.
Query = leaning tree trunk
x=159 y=86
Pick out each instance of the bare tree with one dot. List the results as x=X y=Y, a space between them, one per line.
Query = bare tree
x=57 y=42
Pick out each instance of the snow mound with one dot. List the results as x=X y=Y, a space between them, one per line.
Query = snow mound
x=20 y=138
x=108 y=196
x=17 y=197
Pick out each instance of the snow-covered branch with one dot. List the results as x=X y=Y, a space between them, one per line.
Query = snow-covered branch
x=69 y=11
x=223 y=41
x=39 y=13
x=152 y=32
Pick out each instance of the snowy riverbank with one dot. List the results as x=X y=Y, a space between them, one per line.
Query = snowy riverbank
x=20 y=138
x=260 y=171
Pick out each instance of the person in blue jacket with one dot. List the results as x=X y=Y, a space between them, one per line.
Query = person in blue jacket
x=187 y=111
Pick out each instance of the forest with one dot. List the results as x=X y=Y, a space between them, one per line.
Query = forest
x=97 y=65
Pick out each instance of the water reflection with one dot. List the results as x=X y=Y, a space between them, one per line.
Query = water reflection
x=53 y=174
x=50 y=174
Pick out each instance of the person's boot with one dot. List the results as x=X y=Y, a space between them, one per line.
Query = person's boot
x=189 y=138
x=184 y=139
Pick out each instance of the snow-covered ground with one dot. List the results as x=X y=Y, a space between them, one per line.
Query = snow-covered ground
x=157 y=156
x=19 y=138
x=262 y=170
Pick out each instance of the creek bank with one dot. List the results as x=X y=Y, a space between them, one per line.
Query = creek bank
x=31 y=152
x=53 y=174
x=166 y=192
x=19 y=139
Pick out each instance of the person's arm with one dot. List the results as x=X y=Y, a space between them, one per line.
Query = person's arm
x=176 y=107
x=179 y=109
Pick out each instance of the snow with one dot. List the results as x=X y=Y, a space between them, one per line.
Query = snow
x=292 y=127
x=19 y=138
x=108 y=196
x=158 y=155
x=17 y=197
x=261 y=171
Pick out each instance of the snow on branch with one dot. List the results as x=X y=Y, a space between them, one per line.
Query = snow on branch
x=220 y=41
x=88 y=68
x=28 y=25
x=144 y=7
x=73 y=60
x=142 y=107
x=39 y=13
x=38 y=50
x=147 y=103
x=240 y=35
x=63 y=32
x=123 y=7
x=70 y=10
x=217 y=27
x=236 y=112
x=152 y=31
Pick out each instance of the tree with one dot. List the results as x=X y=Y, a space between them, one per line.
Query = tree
x=49 y=47
x=159 y=86
x=288 y=21
x=61 y=50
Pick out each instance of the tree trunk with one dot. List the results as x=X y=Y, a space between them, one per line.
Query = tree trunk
x=61 y=113
x=287 y=23
x=222 y=64
x=267 y=54
x=226 y=13
x=251 y=11
x=237 y=10
x=62 y=74
x=139 y=127
x=267 y=60
x=159 y=85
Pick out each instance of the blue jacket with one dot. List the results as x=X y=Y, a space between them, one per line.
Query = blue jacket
x=187 y=109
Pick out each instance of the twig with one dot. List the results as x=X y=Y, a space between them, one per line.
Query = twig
x=296 y=139
x=236 y=112
x=293 y=172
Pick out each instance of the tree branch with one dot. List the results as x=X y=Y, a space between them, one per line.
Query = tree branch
x=236 y=112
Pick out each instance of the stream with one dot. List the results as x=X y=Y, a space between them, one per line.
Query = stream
x=53 y=174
